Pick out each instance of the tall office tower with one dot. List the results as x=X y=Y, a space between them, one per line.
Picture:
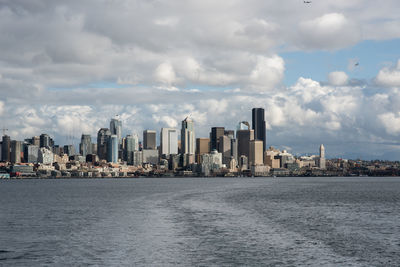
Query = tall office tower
x=5 y=148
x=234 y=149
x=116 y=128
x=256 y=154
x=202 y=147
x=149 y=139
x=16 y=149
x=69 y=150
x=85 y=147
x=31 y=153
x=45 y=141
x=130 y=146
x=112 y=148
x=35 y=141
x=322 y=162
x=243 y=138
x=169 y=141
x=230 y=133
x=258 y=123
x=225 y=149
x=102 y=138
x=216 y=133
x=188 y=139
x=243 y=125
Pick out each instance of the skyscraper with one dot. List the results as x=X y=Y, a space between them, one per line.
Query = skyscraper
x=243 y=138
x=169 y=141
x=256 y=154
x=102 y=138
x=131 y=145
x=216 y=133
x=258 y=123
x=188 y=140
x=45 y=141
x=116 y=128
x=5 y=148
x=112 y=149
x=225 y=148
x=322 y=163
x=16 y=149
x=85 y=146
x=202 y=147
x=149 y=139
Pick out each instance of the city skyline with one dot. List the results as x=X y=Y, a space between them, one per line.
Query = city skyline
x=325 y=72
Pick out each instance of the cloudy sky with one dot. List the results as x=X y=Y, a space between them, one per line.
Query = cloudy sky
x=326 y=72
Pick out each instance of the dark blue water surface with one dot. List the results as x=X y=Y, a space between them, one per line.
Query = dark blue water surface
x=201 y=221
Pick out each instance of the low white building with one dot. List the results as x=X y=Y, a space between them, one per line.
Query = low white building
x=45 y=156
x=211 y=162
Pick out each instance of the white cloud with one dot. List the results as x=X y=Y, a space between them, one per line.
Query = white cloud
x=391 y=122
x=338 y=78
x=267 y=73
x=165 y=73
x=389 y=76
x=329 y=31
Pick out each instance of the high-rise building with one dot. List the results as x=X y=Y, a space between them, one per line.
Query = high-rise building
x=16 y=147
x=234 y=149
x=258 y=123
x=112 y=148
x=225 y=148
x=45 y=141
x=322 y=162
x=169 y=141
x=131 y=145
x=6 y=148
x=243 y=138
x=35 y=141
x=202 y=147
x=85 y=146
x=243 y=125
x=102 y=138
x=188 y=139
x=31 y=153
x=149 y=139
x=216 y=133
x=116 y=129
x=69 y=150
x=256 y=154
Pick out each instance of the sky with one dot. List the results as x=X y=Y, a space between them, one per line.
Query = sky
x=325 y=72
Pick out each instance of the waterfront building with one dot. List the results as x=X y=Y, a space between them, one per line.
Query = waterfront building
x=258 y=124
x=202 y=147
x=256 y=154
x=116 y=129
x=85 y=147
x=6 y=148
x=149 y=139
x=234 y=149
x=112 y=148
x=188 y=140
x=243 y=163
x=243 y=141
x=16 y=149
x=211 y=162
x=215 y=134
x=102 y=138
x=322 y=162
x=169 y=141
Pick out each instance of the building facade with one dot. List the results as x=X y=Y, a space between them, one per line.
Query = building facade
x=188 y=139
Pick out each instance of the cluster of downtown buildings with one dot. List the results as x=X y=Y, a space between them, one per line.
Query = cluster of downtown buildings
x=223 y=153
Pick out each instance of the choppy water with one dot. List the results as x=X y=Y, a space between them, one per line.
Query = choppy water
x=202 y=222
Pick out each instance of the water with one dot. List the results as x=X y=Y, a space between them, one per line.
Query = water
x=202 y=222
